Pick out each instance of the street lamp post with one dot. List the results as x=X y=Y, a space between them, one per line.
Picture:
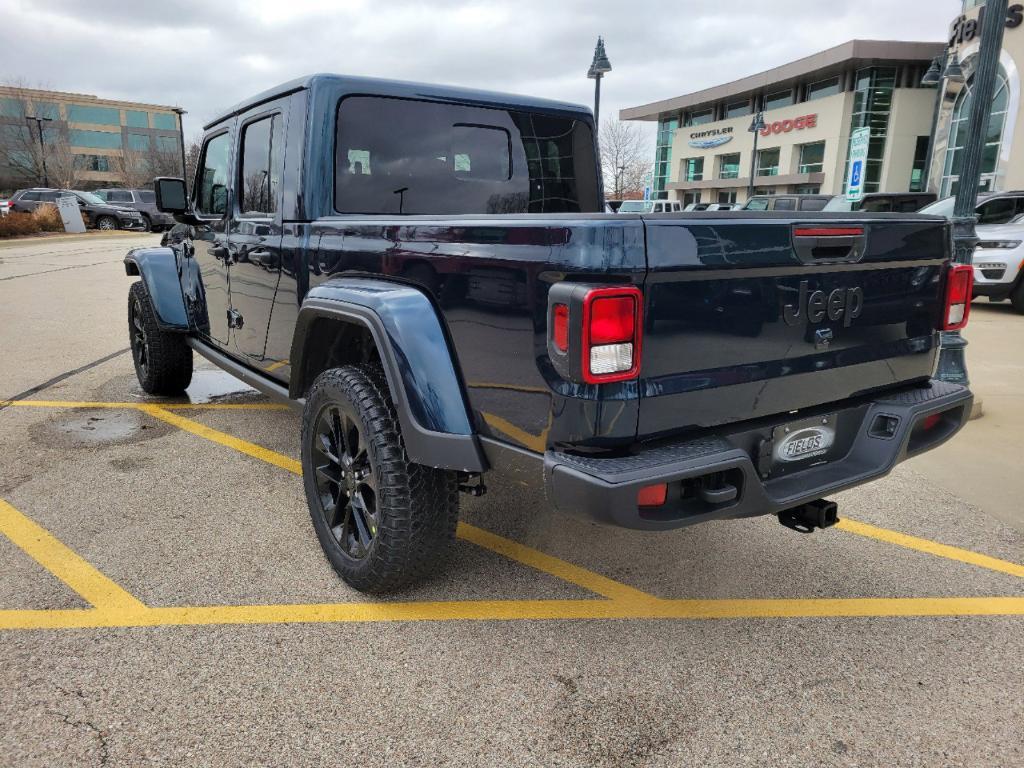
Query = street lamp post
x=755 y=128
x=181 y=131
x=42 y=147
x=934 y=76
x=597 y=70
x=952 y=361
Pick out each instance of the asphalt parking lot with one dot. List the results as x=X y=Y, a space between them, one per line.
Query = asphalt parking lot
x=164 y=601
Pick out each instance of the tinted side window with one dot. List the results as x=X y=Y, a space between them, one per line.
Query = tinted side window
x=30 y=196
x=997 y=211
x=416 y=157
x=816 y=204
x=146 y=197
x=785 y=204
x=260 y=174
x=877 y=205
x=757 y=205
x=49 y=197
x=212 y=189
x=119 y=196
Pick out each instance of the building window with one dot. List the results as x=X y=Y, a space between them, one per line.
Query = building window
x=729 y=166
x=92 y=163
x=693 y=169
x=812 y=157
x=164 y=121
x=823 y=88
x=993 y=137
x=766 y=191
x=663 y=154
x=136 y=119
x=46 y=109
x=95 y=139
x=778 y=99
x=807 y=189
x=166 y=143
x=691 y=198
x=138 y=142
x=12 y=108
x=737 y=109
x=872 y=105
x=920 y=162
x=969 y=4
x=700 y=117
x=727 y=198
x=79 y=113
x=768 y=162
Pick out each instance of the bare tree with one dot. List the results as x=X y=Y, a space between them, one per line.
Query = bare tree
x=136 y=169
x=192 y=150
x=626 y=158
x=32 y=152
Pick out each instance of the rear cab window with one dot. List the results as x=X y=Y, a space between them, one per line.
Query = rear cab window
x=784 y=204
x=402 y=156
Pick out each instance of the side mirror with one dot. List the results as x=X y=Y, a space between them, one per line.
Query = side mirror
x=170 y=195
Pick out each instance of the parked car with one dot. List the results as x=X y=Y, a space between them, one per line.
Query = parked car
x=993 y=208
x=696 y=207
x=787 y=202
x=722 y=207
x=98 y=214
x=650 y=206
x=999 y=262
x=5 y=206
x=143 y=201
x=647 y=371
x=882 y=202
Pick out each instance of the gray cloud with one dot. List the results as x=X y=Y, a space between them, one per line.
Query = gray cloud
x=205 y=56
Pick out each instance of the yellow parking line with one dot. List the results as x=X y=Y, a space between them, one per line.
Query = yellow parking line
x=277 y=365
x=64 y=563
x=513 y=387
x=536 y=443
x=143 y=406
x=931 y=547
x=208 y=433
x=518 y=610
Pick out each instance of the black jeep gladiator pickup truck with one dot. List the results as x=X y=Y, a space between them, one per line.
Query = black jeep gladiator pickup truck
x=428 y=274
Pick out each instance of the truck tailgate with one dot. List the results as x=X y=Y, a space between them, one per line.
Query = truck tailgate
x=752 y=317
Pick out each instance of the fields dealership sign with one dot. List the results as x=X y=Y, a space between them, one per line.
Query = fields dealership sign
x=965 y=30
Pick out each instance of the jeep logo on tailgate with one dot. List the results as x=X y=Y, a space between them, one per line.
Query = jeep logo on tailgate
x=843 y=303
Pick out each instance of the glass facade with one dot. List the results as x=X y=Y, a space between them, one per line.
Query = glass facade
x=165 y=121
x=823 y=88
x=663 y=155
x=872 y=106
x=166 y=143
x=700 y=117
x=812 y=157
x=80 y=113
x=778 y=99
x=12 y=108
x=92 y=163
x=693 y=169
x=139 y=142
x=993 y=137
x=729 y=166
x=136 y=119
x=737 y=109
x=768 y=162
x=94 y=139
x=46 y=109
x=920 y=162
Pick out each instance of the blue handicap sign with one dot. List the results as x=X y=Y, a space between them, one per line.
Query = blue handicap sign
x=857 y=173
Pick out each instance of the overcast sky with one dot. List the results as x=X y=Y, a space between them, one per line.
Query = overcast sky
x=205 y=55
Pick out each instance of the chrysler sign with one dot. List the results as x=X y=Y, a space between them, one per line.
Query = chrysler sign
x=715 y=137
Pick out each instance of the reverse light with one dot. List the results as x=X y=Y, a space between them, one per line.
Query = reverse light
x=959 y=287
x=611 y=334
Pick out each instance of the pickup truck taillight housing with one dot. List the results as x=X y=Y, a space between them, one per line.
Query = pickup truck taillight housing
x=959 y=290
x=595 y=333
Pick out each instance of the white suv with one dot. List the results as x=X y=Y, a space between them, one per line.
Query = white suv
x=999 y=262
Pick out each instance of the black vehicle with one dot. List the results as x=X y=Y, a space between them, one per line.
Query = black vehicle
x=882 y=202
x=141 y=200
x=98 y=213
x=787 y=202
x=428 y=274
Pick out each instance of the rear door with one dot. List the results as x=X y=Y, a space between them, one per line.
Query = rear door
x=758 y=317
x=254 y=238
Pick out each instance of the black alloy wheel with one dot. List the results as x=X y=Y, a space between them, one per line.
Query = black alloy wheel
x=106 y=223
x=345 y=482
x=139 y=341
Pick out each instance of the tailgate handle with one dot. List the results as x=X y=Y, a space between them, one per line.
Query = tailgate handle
x=824 y=243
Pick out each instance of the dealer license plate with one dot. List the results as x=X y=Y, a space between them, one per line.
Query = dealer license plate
x=803 y=441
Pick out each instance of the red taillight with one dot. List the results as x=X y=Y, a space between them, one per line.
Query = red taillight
x=652 y=495
x=560 y=327
x=930 y=422
x=611 y=334
x=959 y=286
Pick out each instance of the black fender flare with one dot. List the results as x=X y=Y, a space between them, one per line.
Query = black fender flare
x=158 y=269
x=426 y=387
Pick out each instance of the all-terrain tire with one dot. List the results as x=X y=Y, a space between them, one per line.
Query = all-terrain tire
x=163 y=361
x=415 y=508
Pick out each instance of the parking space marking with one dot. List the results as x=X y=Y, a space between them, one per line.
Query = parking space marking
x=538 y=443
x=114 y=607
x=64 y=563
x=516 y=610
x=931 y=547
x=144 y=406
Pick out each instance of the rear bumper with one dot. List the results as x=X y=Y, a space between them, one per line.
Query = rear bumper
x=994 y=290
x=606 y=489
x=132 y=224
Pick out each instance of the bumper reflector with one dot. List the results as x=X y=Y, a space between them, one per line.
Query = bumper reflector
x=652 y=495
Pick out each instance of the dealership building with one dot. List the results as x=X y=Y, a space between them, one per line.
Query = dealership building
x=98 y=131
x=705 y=147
